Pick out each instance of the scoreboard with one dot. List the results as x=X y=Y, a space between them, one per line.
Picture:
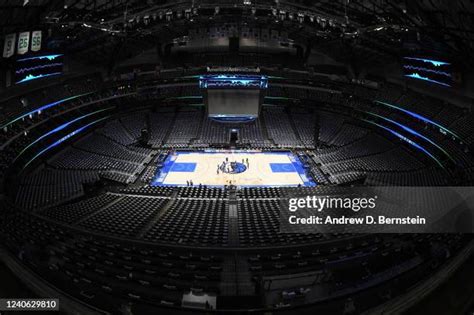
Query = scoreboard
x=233 y=96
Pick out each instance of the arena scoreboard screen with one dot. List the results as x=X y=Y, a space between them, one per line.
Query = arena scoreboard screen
x=233 y=96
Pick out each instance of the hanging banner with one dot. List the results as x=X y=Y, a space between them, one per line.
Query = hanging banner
x=9 y=47
x=36 y=40
x=23 y=43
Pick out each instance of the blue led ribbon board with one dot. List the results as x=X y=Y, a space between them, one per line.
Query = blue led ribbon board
x=61 y=140
x=407 y=140
x=38 y=67
x=428 y=70
x=223 y=81
x=45 y=57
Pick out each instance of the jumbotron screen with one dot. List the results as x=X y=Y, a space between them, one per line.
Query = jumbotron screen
x=223 y=103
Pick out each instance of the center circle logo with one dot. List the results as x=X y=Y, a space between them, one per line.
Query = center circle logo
x=233 y=167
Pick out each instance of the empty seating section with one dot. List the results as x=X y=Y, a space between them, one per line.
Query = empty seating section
x=149 y=174
x=423 y=177
x=75 y=159
x=185 y=128
x=346 y=177
x=201 y=192
x=70 y=213
x=279 y=127
x=394 y=160
x=213 y=133
x=49 y=187
x=48 y=176
x=329 y=126
x=139 y=272
x=259 y=224
x=124 y=217
x=318 y=175
x=111 y=268
x=115 y=131
x=149 y=190
x=160 y=123
x=422 y=104
x=448 y=115
x=110 y=159
x=32 y=197
x=101 y=145
x=251 y=134
x=304 y=122
x=464 y=127
x=368 y=145
x=134 y=123
x=347 y=134
x=193 y=221
x=263 y=192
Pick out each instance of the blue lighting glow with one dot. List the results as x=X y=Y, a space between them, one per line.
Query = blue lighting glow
x=233 y=119
x=415 y=75
x=66 y=137
x=42 y=108
x=435 y=63
x=414 y=68
x=51 y=65
x=49 y=57
x=407 y=140
x=31 y=77
x=187 y=97
x=234 y=80
x=413 y=132
x=279 y=98
x=422 y=118
x=59 y=128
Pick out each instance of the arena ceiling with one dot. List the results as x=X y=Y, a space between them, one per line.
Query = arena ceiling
x=366 y=30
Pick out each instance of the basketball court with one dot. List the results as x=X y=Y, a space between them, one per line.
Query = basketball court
x=249 y=169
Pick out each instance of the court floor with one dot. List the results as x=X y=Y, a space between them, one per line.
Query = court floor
x=253 y=169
